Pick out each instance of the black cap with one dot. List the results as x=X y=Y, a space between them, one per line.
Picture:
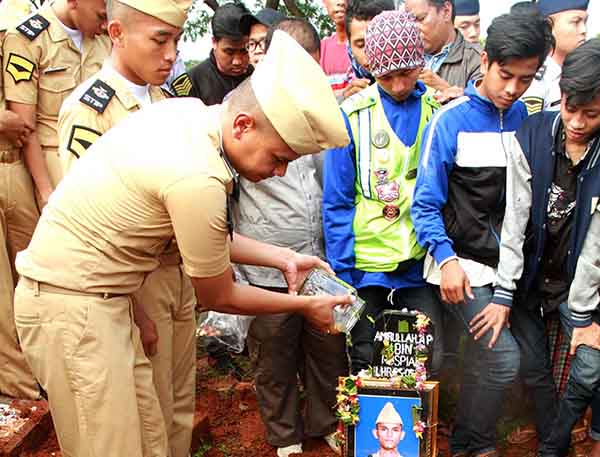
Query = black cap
x=466 y=7
x=269 y=17
x=231 y=20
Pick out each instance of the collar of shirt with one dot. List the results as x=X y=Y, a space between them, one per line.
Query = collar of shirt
x=561 y=146
x=404 y=116
x=433 y=62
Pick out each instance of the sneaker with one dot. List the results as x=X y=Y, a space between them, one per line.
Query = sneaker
x=332 y=442
x=289 y=450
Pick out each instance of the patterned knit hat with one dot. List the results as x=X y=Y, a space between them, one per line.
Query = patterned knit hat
x=393 y=42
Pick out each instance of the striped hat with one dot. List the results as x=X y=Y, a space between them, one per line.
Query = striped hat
x=393 y=42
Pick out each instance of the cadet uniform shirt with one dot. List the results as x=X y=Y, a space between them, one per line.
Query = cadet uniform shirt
x=42 y=66
x=544 y=92
x=93 y=108
x=157 y=174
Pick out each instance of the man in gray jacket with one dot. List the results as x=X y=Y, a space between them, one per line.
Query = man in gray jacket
x=287 y=211
x=450 y=61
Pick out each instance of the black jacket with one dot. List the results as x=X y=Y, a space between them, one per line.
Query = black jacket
x=209 y=84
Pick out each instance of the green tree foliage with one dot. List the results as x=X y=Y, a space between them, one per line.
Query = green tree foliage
x=198 y=23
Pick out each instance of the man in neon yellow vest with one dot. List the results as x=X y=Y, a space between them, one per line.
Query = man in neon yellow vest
x=368 y=185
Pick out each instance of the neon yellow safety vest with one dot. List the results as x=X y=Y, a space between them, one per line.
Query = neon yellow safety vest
x=386 y=172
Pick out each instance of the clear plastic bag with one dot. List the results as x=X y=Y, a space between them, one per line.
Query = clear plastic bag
x=319 y=282
x=229 y=329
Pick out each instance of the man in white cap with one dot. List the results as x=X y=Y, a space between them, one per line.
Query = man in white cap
x=389 y=431
x=569 y=27
x=144 y=36
x=167 y=171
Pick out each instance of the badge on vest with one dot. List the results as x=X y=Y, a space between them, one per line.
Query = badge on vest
x=381 y=139
x=81 y=139
x=98 y=96
x=391 y=212
x=19 y=68
x=33 y=26
x=388 y=192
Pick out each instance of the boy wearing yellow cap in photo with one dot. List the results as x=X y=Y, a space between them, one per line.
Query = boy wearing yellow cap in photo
x=165 y=171
x=144 y=36
x=45 y=58
x=389 y=431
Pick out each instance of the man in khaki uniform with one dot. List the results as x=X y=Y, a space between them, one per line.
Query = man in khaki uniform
x=165 y=171
x=165 y=305
x=46 y=57
x=18 y=216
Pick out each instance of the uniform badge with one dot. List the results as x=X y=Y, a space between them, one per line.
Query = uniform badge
x=381 y=139
x=33 y=26
x=388 y=192
x=391 y=212
x=411 y=174
x=81 y=139
x=98 y=96
x=20 y=68
x=182 y=85
x=381 y=175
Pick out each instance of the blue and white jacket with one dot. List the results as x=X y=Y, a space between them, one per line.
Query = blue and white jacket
x=459 y=199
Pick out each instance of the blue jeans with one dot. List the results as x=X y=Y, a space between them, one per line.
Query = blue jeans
x=487 y=375
x=529 y=329
x=423 y=299
x=583 y=389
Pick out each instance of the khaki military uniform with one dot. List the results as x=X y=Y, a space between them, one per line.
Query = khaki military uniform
x=74 y=317
x=18 y=217
x=42 y=67
x=167 y=293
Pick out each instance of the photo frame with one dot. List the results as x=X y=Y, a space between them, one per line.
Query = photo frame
x=418 y=410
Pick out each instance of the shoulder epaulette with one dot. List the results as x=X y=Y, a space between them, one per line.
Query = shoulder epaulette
x=182 y=85
x=357 y=102
x=98 y=96
x=541 y=72
x=33 y=26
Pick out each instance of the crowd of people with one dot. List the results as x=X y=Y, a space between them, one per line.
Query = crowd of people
x=427 y=168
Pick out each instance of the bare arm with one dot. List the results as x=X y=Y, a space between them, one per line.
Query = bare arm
x=32 y=151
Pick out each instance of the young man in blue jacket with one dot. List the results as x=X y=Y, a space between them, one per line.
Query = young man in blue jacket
x=458 y=208
x=367 y=186
x=553 y=188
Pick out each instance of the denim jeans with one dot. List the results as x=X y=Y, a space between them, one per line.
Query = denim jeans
x=423 y=299
x=529 y=329
x=583 y=389
x=487 y=375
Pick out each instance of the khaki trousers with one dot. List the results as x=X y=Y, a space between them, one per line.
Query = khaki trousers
x=87 y=354
x=283 y=348
x=169 y=300
x=18 y=218
x=55 y=171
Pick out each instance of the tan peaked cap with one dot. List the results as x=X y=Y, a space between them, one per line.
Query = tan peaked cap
x=296 y=97
x=172 y=12
x=389 y=415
